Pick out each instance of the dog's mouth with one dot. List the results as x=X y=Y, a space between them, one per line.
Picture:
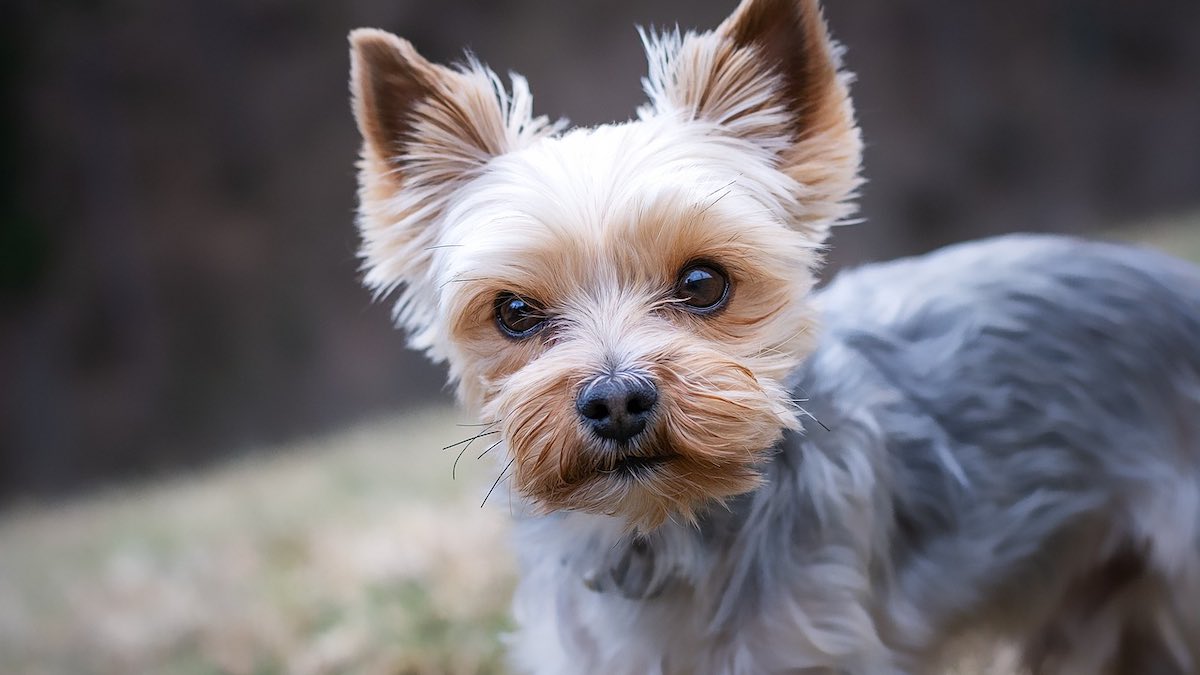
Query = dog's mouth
x=636 y=465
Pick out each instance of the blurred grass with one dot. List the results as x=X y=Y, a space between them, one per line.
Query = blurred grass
x=353 y=553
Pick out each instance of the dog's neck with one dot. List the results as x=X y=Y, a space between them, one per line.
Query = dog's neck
x=795 y=509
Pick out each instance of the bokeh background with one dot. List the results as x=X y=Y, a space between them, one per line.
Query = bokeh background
x=216 y=454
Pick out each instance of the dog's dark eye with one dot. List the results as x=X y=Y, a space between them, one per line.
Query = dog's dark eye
x=702 y=287
x=517 y=317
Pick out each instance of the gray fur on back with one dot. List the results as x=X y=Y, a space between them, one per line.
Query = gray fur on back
x=1003 y=418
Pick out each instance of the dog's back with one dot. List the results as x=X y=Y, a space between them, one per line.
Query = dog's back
x=1044 y=405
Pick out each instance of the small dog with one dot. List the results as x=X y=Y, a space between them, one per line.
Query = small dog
x=1008 y=442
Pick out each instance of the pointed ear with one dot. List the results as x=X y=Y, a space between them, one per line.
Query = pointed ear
x=770 y=74
x=426 y=130
x=416 y=115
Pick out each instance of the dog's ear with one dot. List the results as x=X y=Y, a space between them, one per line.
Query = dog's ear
x=426 y=130
x=769 y=74
x=420 y=117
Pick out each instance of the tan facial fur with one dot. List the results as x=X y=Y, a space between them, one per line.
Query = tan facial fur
x=745 y=155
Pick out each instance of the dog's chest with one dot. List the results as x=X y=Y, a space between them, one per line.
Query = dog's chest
x=590 y=604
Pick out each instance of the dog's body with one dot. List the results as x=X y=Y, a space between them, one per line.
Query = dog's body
x=1001 y=439
x=1013 y=449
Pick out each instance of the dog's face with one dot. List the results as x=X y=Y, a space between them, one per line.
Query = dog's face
x=622 y=302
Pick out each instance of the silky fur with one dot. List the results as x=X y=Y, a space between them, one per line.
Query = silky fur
x=963 y=483
x=736 y=160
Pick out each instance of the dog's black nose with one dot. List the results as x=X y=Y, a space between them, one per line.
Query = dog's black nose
x=617 y=406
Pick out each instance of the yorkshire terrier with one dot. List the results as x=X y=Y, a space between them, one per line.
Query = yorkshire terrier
x=723 y=471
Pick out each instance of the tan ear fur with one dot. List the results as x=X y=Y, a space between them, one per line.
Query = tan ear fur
x=769 y=74
x=426 y=130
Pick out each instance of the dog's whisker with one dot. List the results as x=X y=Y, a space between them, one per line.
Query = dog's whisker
x=714 y=202
x=454 y=467
x=770 y=350
x=460 y=280
x=498 y=479
x=723 y=187
x=813 y=417
x=779 y=345
x=704 y=380
x=468 y=440
x=489 y=449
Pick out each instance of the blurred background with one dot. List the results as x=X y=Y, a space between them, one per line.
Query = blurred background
x=198 y=399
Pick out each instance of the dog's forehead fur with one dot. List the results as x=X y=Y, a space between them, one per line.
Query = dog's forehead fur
x=620 y=205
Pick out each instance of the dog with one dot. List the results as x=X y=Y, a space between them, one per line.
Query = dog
x=721 y=470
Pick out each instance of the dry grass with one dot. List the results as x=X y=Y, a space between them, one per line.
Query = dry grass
x=355 y=553
x=352 y=554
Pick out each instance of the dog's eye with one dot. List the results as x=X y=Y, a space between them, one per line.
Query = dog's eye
x=702 y=287
x=517 y=317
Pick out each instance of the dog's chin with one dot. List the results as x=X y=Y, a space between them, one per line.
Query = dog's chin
x=647 y=486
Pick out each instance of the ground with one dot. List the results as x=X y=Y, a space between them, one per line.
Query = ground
x=353 y=553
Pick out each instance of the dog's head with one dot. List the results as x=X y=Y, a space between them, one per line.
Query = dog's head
x=623 y=302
